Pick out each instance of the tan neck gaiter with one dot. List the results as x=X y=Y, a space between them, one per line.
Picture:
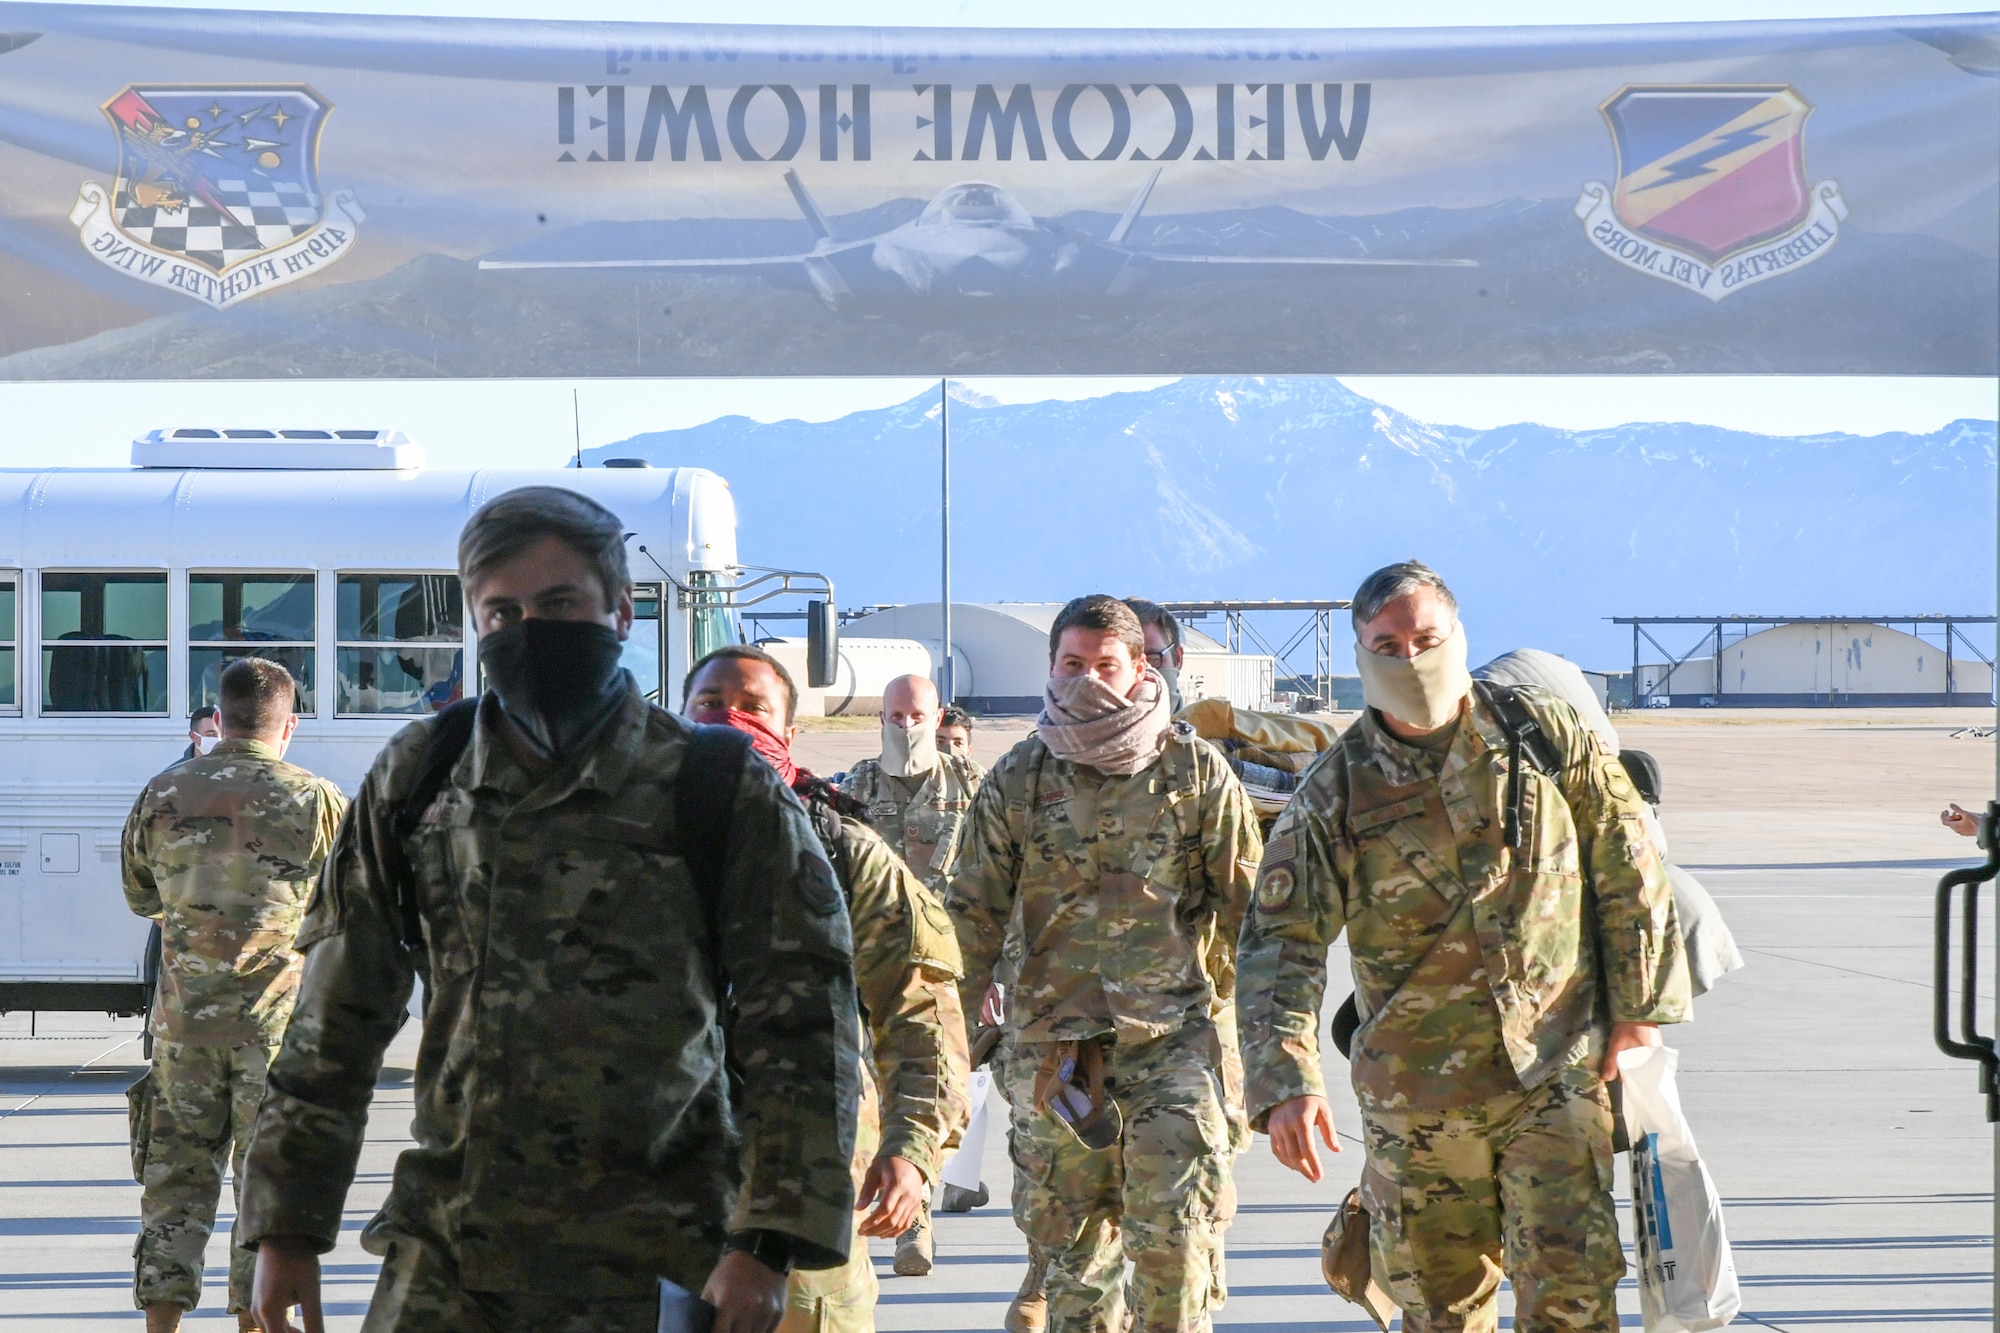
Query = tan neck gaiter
x=1423 y=692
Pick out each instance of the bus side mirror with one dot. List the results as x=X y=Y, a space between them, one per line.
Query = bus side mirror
x=822 y=644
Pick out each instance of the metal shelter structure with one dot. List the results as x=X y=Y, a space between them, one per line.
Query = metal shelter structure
x=1318 y=626
x=1719 y=632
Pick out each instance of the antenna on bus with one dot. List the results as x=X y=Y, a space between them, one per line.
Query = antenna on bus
x=576 y=419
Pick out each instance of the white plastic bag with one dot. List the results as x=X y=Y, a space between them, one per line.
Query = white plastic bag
x=962 y=1167
x=1687 y=1281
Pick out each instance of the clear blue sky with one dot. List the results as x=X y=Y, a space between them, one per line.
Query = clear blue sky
x=529 y=423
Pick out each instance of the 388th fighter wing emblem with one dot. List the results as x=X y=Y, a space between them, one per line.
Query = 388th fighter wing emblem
x=217 y=194
x=1712 y=192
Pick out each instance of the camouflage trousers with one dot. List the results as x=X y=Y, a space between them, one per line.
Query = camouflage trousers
x=418 y=1291
x=1224 y=1017
x=204 y=1103
x=1517 y=1185
x=1231 y=1070
x=842 y=1300
x=1156 y=1196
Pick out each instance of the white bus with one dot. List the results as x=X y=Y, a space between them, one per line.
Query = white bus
x=124 y=592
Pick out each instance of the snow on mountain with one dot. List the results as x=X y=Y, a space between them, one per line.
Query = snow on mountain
x=1297 y=487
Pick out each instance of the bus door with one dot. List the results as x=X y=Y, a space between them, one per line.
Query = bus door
x=645 y=651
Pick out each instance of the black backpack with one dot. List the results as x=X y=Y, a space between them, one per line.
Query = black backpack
x=825 y=806
x=1644 y=770
x=702 y=811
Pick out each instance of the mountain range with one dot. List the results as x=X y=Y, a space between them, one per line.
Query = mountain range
x=1297 y=487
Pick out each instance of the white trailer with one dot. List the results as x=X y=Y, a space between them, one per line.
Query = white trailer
x=123 y=593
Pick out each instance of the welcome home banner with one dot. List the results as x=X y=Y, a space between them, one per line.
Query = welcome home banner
x=188 y=193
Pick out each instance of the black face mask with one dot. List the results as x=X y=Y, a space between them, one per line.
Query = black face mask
x=557 y=679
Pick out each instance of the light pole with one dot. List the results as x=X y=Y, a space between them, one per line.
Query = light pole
x=944 y=542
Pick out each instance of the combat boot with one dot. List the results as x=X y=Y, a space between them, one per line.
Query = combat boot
x=247 y=1323
x=957 y=1200
x=916 y=1247
x=164 y=1316
x=1029 y=1312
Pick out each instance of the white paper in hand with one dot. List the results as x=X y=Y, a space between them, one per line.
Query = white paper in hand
x=1687 y=1280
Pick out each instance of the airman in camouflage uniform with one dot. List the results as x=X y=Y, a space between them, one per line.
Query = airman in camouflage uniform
x=906 y=968
x=575 y=1131
x=1118 y=886
x=915 y=796
x=623 y=1076
x=1166 y=655
x=919 y=817
x=221 y=850
x=1487 y=978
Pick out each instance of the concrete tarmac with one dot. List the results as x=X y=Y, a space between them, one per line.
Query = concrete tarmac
x=1854 y=1159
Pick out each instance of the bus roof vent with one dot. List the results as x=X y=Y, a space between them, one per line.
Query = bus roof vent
x=285 y=450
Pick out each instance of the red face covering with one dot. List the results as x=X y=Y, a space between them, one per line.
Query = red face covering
x=768 y=744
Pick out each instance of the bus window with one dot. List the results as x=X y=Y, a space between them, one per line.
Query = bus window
x=709 y=597
x=384 y=661
x=255 y=615
x=10 y=634
x=104 y=643
x=642 y=650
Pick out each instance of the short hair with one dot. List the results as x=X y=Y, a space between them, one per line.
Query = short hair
x=1392 y=582
x=1104 y=614
x=257 y=696
x=748 y=653
x=509 y=524
x=203 y=714
x=954 y=716
x=1161 y=619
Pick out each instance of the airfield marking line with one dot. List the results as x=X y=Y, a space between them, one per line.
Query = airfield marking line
x=73 y=1073
x=1800 y=867
x=1811 y=1069
x=1835 y=967
x=1761 y=1323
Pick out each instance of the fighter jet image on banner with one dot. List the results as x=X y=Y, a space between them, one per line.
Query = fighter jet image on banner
x=974 y=243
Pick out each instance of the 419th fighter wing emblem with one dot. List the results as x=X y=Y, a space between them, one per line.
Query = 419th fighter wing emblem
x=1712 y=192
x=217 y=194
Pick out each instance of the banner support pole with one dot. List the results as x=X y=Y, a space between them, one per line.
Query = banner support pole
x=944 y=542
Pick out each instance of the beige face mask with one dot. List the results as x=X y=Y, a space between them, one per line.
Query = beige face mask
x=909 y=752
x=1424 y=691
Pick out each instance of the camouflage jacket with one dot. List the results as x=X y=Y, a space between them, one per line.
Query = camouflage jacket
x=575 y=1129
x=1118 y=887
x=906 y=969
x=222 y=850
x=1477 y=970
x=920 y=820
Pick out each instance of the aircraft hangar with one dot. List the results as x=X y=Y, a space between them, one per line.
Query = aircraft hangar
x=1811 y=661
x=1000 y=654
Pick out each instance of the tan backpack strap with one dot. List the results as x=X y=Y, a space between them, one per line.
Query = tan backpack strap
x=1183 y=767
